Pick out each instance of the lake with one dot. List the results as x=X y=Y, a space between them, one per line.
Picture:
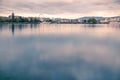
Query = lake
x=59 y=51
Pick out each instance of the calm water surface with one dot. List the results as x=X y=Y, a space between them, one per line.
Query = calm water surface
x=59 y=52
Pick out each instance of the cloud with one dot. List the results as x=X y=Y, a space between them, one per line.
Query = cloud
x=117 y=1
x=82 y=7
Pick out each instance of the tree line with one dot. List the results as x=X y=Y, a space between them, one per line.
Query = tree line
x=20 y=19
x=90 y=21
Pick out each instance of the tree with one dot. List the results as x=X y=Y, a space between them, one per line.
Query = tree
x=36 y=20
x=50 y=21
x=2 y=19
x=84 y=21
x=92 y=21
x=31 y=20
x=25 y=20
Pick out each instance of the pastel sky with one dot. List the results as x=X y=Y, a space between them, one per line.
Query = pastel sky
x=60 y=8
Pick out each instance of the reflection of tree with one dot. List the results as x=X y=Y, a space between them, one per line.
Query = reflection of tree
x=90 y=25
x=115 y=25
x=31 y=26
x=13 y=29
x=20 y=26
x=1 y=27
x=34 y=25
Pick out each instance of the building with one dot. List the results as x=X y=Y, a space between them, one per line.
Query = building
x=13 y=16
x=110 y=19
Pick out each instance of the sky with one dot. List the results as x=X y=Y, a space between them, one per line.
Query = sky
x=60 y=8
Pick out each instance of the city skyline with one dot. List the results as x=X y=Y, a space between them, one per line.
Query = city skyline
x=60 y=8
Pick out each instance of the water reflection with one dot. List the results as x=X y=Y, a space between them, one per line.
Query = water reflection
x=90 y=25
x=59 y=52
x=13 y=28
x=62 y=29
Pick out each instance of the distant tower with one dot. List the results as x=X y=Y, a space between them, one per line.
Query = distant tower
x=13 y=16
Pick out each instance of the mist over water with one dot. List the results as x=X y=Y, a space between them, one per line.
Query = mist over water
x=59 y=52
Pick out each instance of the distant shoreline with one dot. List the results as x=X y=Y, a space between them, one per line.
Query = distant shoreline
x=43 y=23
x=21 y=22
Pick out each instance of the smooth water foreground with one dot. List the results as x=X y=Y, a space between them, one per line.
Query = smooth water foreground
x=59 y=52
